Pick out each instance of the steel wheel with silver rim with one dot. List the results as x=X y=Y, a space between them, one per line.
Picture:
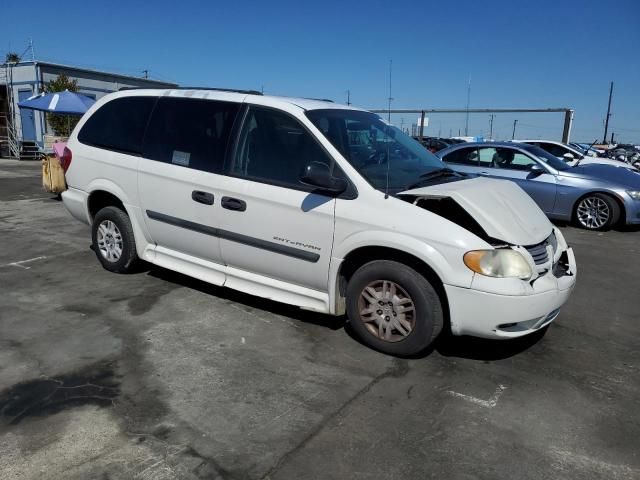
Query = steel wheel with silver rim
x=387 y=310
x=109 y=241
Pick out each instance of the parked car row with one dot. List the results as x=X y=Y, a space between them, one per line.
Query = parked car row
x=322 y=206
x=625 y=153
x=574 y=155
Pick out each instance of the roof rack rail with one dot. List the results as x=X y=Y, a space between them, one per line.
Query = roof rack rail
x=319 y=99
x=218 y=89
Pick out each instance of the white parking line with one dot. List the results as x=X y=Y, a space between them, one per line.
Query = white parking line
x=492 y=402
x=21 y=263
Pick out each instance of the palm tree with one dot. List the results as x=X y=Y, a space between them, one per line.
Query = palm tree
x=12 y=57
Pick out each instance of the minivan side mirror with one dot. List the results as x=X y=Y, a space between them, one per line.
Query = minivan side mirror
x=317 y=174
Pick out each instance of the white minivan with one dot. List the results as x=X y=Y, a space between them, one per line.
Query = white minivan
x=318 y=205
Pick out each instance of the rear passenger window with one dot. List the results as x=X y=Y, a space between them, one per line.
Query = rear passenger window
x=118 y=125
x=192 y=133
x=464 y=156
x=274 y=148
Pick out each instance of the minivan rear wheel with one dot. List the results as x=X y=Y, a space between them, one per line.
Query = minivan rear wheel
x=113 y=240
x=393 y=308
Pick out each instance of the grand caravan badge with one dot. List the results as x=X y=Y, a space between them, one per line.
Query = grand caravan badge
x=296 y=244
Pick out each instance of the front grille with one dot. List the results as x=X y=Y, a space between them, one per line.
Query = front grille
x=539 y=251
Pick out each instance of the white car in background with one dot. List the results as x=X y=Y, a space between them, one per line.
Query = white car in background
x=572 y=156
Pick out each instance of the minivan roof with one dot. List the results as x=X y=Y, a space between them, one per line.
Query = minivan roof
x=240 y=95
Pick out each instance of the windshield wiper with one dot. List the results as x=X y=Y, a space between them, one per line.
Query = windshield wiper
x=440 y=172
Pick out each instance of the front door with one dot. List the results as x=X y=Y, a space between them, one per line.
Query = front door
x=272 y=224
x=27 y=118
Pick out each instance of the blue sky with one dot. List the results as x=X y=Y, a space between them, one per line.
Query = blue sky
x=524 y=54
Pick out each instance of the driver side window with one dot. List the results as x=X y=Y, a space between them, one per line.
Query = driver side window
x=274 y=148
x=553 y=149
x=512 y=160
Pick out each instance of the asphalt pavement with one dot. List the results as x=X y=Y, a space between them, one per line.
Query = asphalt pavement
x=159 y=376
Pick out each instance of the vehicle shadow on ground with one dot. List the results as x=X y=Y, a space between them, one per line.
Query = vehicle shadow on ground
x=446 y=345
x=620 y=227
x=474 y=348
x=250 y=301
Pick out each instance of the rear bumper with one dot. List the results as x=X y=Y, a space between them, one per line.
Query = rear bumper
x=491 y=315
x=76 y=201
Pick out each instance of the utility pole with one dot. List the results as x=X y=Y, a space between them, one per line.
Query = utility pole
x=491 y=126
x=513 y=135
x=606 y=121
x=466 y=121
x=348 y=97
x=146 y=73
x=390 y=98
x=450 y=133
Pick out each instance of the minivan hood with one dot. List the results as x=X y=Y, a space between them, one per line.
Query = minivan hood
x=503 y=210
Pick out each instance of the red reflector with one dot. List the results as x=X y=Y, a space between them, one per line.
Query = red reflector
x=65 y=159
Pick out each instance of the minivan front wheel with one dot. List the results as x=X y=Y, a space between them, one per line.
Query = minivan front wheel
x=393 y=308
x=113 y=241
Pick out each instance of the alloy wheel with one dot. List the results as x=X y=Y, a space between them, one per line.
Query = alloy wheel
x=387 y=310
x=593 y=212
x=109 y=241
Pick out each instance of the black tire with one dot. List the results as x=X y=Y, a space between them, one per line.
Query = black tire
x=128 y=259
x=427 y=318
x=611 y=204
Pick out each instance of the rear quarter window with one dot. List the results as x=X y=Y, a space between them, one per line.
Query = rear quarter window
x=119 y=125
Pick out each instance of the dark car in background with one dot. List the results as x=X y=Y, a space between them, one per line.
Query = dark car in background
x=595 y=196
x=435 y=144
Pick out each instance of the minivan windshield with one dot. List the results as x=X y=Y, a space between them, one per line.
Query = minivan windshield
x=374 y=148
x=547 y=158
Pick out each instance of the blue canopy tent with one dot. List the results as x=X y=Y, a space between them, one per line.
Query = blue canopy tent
x=63 y=103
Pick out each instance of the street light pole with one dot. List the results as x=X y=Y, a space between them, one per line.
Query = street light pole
x=466 y=120
x=491 y=126
x=513 y=135
x=606 y=121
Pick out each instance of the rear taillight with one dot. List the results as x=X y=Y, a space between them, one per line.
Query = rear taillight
x=65 y=159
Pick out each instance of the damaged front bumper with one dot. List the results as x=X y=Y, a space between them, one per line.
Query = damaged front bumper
x=509 y=307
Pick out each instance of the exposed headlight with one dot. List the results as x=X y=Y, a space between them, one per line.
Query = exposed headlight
x=499 y=263
x=635 y=194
